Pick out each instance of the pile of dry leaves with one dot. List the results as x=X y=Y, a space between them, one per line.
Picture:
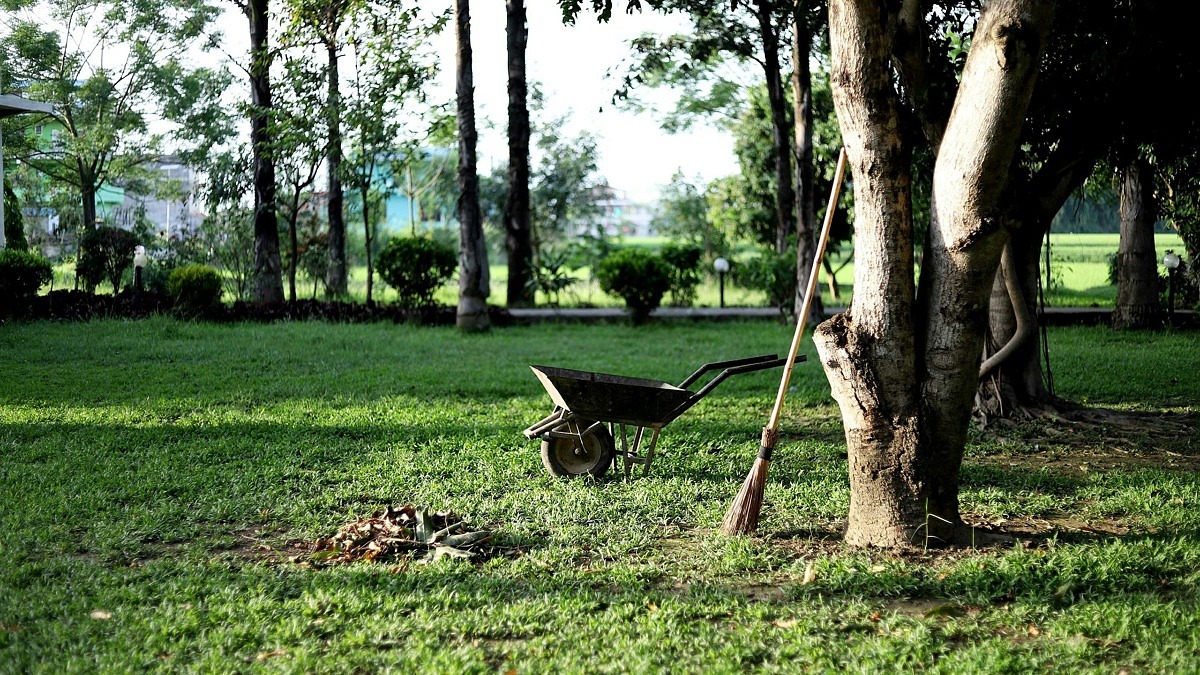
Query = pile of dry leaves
x=408 y=532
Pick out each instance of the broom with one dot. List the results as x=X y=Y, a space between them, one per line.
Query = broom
x=742 y=517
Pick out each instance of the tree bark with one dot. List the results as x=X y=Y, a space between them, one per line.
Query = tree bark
x=784 y=198
x=904 y=372
x=1137 y=265
x=473 y=286
x=517 y=238
x=268 y=278
x=806 y=212
x=336 y=275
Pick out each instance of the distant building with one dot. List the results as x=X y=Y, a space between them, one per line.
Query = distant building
x=620 y=215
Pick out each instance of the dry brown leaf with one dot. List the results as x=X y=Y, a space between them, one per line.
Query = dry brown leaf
x=100 y=615
x=263 y=656
x=810 y=575
x=785 y=623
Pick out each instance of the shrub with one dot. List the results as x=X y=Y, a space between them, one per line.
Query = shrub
x=105 y=254
x=416 y=267
x=550 y=274
x=772 y=273
x=22 y=274
x=638 y=277
x=683 y=262
x=196 y=289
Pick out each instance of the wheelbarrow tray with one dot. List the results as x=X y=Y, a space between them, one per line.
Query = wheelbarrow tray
x=613 y=398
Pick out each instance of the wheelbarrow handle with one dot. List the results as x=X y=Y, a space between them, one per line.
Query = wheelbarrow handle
x=728 y=364
x=754 y=364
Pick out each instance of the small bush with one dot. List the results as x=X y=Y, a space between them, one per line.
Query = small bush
x=196 y=289
x=683 y=262
x=22 y=274
x=638 y=277
x=105 y=254
x=416 y=267
x=772 y=273
x=550 y=274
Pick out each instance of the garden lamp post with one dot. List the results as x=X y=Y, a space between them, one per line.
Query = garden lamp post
x=139 y=262
x=721 y=265
x=1171 y=262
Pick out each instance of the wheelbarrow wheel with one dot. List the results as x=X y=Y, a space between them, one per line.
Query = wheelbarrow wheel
x=568 y=457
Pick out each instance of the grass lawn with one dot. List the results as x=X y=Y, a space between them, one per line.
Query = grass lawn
x=163 y=484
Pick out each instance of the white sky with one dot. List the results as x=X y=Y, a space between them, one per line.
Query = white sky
x=570 y=63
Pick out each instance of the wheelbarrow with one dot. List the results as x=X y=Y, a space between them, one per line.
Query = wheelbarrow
x=594 y=410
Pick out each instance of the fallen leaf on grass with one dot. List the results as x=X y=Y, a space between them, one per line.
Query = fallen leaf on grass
x=810 y=575
x=1033 y=631
x=100 y=615
x=263 y=656
x=785 y=623
x=402 y=533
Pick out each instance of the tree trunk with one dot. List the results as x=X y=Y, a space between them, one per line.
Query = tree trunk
x=336 y=275
x=473 y=284
x=517 y=239
x=1137 y=266
x=904 y=373
x=368 y=239
x=268 y=278
x=293 y=245
x=1017 y=381
x=784 y=198
x=87 y=190
x=806 y=212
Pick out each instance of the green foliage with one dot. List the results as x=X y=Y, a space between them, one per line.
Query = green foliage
x=105 y=254
x=683 y=263
x=196 y=289
x=551 y=273
x=638 y=277
x=416 y=267
x=14 y=222
x=22 y=274
x=683 y=214
x=314 y=258
x=771 y=273
x=562 y=199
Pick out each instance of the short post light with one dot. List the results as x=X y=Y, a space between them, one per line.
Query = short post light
x=1171 y=261
x=721 y=265
x=139 y=263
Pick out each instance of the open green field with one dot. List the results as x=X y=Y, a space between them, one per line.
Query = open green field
x=163 y=484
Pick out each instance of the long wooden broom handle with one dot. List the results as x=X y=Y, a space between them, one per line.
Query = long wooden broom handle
x=810 y=292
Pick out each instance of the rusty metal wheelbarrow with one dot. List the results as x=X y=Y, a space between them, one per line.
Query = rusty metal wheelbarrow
x=593 y=409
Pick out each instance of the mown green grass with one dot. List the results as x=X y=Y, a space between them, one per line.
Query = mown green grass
x=164 y=473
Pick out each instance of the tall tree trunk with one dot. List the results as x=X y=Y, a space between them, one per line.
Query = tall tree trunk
x=335 y=275
x=517 y=239
x=904 y=373
x=1137 y=266
x=784 y=198
x=806 y=212
x=368 y=238
x=293 y=245
x=1016 y=383
x=473 y=284
x=267 y=274
x=87 y=190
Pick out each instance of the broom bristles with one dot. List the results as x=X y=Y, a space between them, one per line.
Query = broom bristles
x=742 y=517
